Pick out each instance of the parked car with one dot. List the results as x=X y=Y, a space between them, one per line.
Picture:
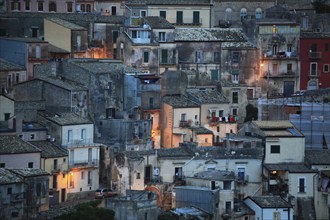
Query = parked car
x=103 y=193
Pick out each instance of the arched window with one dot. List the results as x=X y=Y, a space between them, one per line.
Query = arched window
x=228 y=14
x=312 y=84
x=243 y=13
x=258 y=13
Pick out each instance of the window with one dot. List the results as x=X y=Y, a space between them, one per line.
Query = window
x=14 y=214
x=145 y=57
x=78 y=42
x=301 y=184
x=274 y=49
x=15 y=5
x=235 y=97
x=138 y=175
x=183 y=117
x=235 y=56
x=216 y=57
x=206 y=140
x=82 y=175
x=83 y=134
x=276 y=216
x=88 y=8
x=289 y=68
x=326 y=47
x=161 y=37
x=2 y=165
x=89 y=181
x=228 y=13
x=275 y=149
x=275 y=69
x=143 y=13
x=110 y=112
x=243 y=13
x=9 y=191
x=38 y=51
x=241 y=173
x=235 y=78
x=151 y=102
x=235 y=111
x=113 y=10
x=313 y=69
x=162 y=14
x=38 y=189
x=27 y=5
x=198 y=56
x=258 y=13
x=69 y=136
x=164 y=56
x=227 y=185
x=30 y=164
x=289 y=47
x=52 y=6
x=228 y=207
x=214 y=75
x=179 y=17
x=40 y=5
x=69 y=7
x=34 y=33
x=326 y=68
x=196 y=19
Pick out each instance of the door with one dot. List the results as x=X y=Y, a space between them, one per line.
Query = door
x=179 y=17
x=63 y=192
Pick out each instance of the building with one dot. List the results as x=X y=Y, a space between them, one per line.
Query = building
x=16 y=153
x=270 y=207
x=76 y=135
x=33 y=51
x=42 y=7
x=54 y=160
x=26 y=192
x=10 y=74
x=314 y=60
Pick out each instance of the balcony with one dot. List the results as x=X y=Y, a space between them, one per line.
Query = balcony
x=216 y=120
x=280 y=55
x=242 y=179
x=288 y=74
x=185 y=124
x=79 y=142
x=188 y=22
x=84 y=163
x=57 y=169
x=179 y=180
x=315 y=55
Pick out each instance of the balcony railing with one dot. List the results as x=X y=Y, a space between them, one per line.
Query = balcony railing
x=79 y=142
x=58 y=168
x=187 y=21
x=315 y=55
x=84 y=163
x=227 y=119
x=185 y=124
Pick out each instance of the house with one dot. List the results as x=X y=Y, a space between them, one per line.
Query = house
x=10 y=74
x=41 y=7
x=227 y=14
x=109 y=8
x=279 y=64
x=284 y=170
x=219 y=54
x=137 y=204
x=318 y=159
x=181 y=14
x=75 y=134
x=160 y=170
x=179 y=114
x=66 y=36
x=270 y=207
x=54 y=160
x=33 y=52
x=6 y=107
x=314 y=60
x=147 y=43
x=16 y=153
x=25 y=192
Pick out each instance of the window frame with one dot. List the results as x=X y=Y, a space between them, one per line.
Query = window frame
x=275 y=149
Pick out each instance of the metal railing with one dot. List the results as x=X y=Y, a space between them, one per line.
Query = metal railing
x=84 y=163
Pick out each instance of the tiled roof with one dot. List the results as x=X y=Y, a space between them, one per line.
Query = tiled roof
x=68 y=118
x=63 y=83
x=270 y=201
x=290 y=167
x=158 y=22
x=202 y=130
x=29 y=172
x=179 y=101
x=314 y=34
x=209 y=34
x=105 y=67
x=7 y=177
x=11 y=144
x=317 y=156
x=207 y=96
x=7 y=66
x=215 y=175
x=49 y=149
x=66 y=24
x=273 y=124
